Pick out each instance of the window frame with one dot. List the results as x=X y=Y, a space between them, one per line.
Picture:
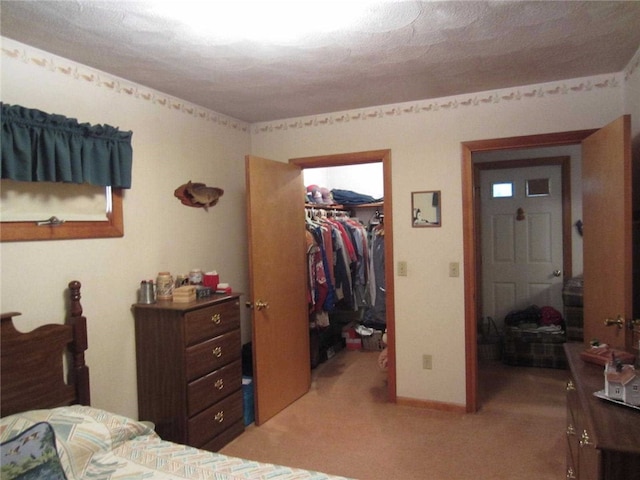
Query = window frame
x=29 y=231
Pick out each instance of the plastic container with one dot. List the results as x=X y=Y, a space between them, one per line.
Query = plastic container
x=247 y=397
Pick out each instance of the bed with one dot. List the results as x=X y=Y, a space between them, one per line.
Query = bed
x=49 y=430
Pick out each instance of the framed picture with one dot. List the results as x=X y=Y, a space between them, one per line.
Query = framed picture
x=426 y=208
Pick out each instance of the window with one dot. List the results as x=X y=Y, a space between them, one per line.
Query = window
x=24 y=226
x=47 y=149
x=502 y=190
x=538 y=187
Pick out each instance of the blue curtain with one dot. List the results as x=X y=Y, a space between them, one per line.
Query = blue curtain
x=42 y=147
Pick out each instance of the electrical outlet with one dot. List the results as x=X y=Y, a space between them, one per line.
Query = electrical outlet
x=454 y=269
x=426 y=362
x=402 y=269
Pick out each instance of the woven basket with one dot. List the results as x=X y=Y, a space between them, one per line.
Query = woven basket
x=489 y=340
x=373 y=342
x=490 y=351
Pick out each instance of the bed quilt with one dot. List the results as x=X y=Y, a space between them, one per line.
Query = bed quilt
x=99 y=445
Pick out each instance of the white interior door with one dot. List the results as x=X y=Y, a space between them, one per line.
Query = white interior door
x=522 y=253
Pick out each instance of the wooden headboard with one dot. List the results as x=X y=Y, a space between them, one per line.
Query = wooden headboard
x=33 y=363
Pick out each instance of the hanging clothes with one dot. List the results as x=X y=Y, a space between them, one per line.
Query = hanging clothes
x=375 y=315
x=338 y=262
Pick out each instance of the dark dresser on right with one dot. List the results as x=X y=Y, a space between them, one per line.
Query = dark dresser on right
x=603 y=438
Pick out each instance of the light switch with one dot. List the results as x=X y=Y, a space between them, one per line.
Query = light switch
x=402 y=269
x=454 y=269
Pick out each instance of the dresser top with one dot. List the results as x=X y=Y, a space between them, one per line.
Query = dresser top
x=185 y=307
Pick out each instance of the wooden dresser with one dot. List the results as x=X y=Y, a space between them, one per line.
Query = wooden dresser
x=190 y=370
x=603 y=438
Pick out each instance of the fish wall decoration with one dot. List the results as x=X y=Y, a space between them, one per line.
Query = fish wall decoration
x=198 y=195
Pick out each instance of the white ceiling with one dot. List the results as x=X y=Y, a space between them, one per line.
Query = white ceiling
x=402 y=51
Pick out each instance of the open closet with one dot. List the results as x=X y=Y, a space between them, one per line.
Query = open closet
x=279 y=297
x=344 y=214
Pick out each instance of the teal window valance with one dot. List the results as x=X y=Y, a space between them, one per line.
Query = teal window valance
x=42 y=147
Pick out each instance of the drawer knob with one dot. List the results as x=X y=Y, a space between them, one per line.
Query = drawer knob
x=216 y=318
x=570 y=386
x=584 y=439
x=217 y=352
x=571 y=473
x=571 y=430
x=219 y=384
x=219 y=417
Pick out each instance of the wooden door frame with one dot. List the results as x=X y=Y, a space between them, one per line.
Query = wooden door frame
x=355 y=158
x=471 y=236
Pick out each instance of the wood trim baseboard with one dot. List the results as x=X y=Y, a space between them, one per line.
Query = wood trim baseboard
x=431 y=405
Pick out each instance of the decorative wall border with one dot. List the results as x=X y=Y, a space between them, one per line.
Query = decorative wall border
x=17 y=51
x=576 y=85
x=585 y=84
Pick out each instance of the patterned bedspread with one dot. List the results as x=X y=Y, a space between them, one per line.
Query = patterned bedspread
x=98 y=445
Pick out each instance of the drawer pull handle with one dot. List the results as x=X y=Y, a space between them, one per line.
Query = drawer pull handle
x=571 y=430
x=584 y=439
x=216 y=318
x=219 y=384
x=570 y=386
x=219 y=417
x=217 y=352
x=570 y=473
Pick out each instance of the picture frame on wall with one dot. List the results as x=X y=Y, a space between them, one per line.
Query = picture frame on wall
x=426 y=209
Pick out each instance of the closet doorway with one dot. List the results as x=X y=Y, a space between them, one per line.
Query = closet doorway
x=280 y=341
x=361 y=158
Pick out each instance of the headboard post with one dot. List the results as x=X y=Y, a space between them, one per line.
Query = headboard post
x=75 y=309
x=79 y=370
x=45 y=367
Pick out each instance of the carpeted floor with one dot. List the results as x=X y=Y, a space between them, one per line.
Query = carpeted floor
x=345 y=426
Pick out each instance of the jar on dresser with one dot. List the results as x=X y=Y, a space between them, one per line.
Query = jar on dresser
x=189 y=370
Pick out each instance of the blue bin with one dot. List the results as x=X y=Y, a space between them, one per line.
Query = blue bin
x=247 y=396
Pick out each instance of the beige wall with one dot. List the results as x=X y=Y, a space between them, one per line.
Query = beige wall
x=425 y=138
x=172 y=146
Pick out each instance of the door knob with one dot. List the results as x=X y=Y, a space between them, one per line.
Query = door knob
x=259 y=305
x=619 y=321
x=557 y=273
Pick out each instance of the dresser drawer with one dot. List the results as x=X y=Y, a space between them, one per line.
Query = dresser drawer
x=219 y=441
x=215 y=419
x=213 y=387
x=211 y=321
x=208 y=356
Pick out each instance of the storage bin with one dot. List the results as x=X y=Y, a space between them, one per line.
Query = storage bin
x=247 y=397
x=373 y=342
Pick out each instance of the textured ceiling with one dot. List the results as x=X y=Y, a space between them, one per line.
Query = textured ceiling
x=401 y=51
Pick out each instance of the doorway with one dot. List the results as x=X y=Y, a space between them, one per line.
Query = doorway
x=472 y=244
x=357 y=158
x=606 y=196
x=280 y=328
